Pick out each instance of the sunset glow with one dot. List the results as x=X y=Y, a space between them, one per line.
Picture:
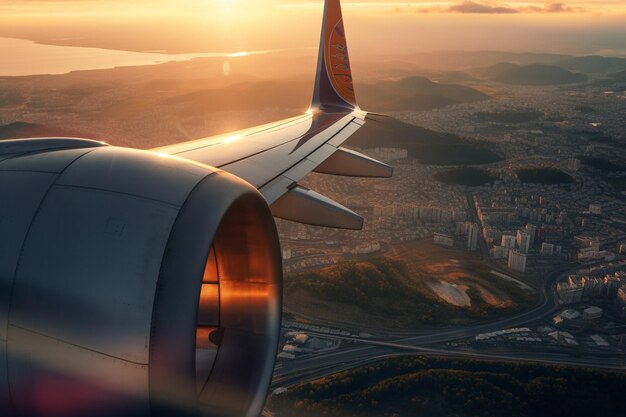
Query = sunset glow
x=227 y=25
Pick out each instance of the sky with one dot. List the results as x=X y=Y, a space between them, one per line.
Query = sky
x=374 y=27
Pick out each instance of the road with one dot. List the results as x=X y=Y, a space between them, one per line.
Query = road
x=357 y=351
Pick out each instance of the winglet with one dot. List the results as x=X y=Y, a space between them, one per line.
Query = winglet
x=334 y=90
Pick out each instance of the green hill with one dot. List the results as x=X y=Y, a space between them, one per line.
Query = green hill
x=620 y=76
x=546 y=176
x=496 y=70
x=427 y=146
x=535 y=74
x=415 y=93
x=18 y=130
x=445 y=387
x=387 y=289
x=602 y=164
x=594 y=64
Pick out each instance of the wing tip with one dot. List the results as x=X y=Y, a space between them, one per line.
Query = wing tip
x=334 y=88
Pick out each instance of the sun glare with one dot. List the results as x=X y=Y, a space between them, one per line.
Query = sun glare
x=226 y=4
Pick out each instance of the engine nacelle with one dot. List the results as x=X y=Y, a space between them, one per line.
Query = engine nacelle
x=134 y=284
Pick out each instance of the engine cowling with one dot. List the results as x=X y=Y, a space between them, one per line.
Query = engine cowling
x=136 y=284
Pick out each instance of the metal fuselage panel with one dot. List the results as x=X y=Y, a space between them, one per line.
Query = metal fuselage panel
x=82 y=237
x=103 y=253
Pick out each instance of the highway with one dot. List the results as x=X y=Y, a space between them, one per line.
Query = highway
x=356 y=351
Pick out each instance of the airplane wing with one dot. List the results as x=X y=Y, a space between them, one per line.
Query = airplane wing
x=276 y=156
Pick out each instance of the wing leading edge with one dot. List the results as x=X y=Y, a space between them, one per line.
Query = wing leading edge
x=275 y=157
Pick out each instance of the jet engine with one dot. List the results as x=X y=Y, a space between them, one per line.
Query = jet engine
x=141 y=284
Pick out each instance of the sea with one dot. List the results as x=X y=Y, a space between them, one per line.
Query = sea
x=20 y=57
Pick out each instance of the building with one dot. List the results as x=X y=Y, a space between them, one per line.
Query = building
x=547 y=249
x=523 y=241
x=592 y=313
x=620 y=303
x=472 y=237
x=595 y=209
x=499 y=252
x=286 y=355
x=517 y=261
x=531 y=230
x=566 y=315
x=564 y=338
x=588 y=254
x=598 y=341
x=570 y=314
x=292 y=349
x=444 y=240
x=366 y=248
x=301 y=339
x=508 y=241
x=569 y=293
x=573 y=164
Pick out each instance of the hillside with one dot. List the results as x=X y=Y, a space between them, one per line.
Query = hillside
x=545 y=176
x=402 y=290
x=535 y=74
x=438 y=387
x=594 y=64
x=427 y=146
x=415 y=93
x=496 y=70
x=620 y=76
x=19 y=130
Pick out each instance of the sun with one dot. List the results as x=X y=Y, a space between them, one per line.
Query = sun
x=226 y=4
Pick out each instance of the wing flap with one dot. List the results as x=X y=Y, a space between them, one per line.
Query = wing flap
x=302 y=205
x=353 y=164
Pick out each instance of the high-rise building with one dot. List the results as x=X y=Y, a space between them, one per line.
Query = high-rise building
x=547 y=249
x=517 y=261
x=499 y=252
x=592 y=313
x=442 y=239
x=472 y=237
x=569 y=293
x=531 y=230
x=508 y=241
x=523 y=241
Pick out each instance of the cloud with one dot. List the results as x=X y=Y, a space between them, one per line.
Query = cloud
x=471 y=7
x=554 y=8
x=489 y=8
